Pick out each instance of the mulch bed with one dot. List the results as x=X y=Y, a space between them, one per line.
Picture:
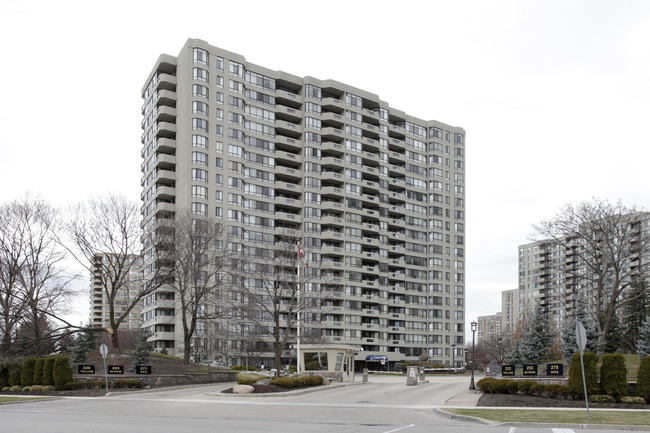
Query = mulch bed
x=510 y=400
x=260 y=389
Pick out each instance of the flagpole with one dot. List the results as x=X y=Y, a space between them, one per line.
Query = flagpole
x=298 y=316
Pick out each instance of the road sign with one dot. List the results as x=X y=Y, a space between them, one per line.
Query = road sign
x=581 y=336
x=103 y=349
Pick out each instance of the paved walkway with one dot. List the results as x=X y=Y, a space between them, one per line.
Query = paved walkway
x=466 y=398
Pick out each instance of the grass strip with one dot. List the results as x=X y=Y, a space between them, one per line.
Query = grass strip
x=559 y=416
x=12 y=399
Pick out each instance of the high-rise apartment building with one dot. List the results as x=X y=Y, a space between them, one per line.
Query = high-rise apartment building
x=555 y=273
x=488 y=327
x=377 y=194
x=511 y=312
x=99 y=305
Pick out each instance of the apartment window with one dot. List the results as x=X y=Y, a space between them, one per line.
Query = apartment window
x=199 y=175
x=312 y=137
x=200 y=74
x=199 y=141
x=353 y=100
x=435 y=133
x=259 y=128
x=235 y=215
x=219 y=114
x=312 y=91
x=260 y=113
x=236 y=102
x=459 y=139
x=236 y=86
x=200 y=56
x=199 y=191
x=260 y=80
x=218 y=146
x=310 y=122
x=219 y=163
x=219 y=179
x=219 y=98
x=235 y=134
x=236 y=68
x=310 y=107
x=236 y=199
x=260 y=97
x=199 y=124
x=199 y=208
x=199 y=107
x=218 y=129
x=219 y=81
x=219 y=63
x=235 y=182
x=236 y=151
x=353 y=130
x=199 y=158
x=218 y=196
x=199 y=90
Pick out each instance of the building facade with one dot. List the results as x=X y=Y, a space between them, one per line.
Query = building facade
x=374 y=193
x=488 y=327
x=99 y=305
x=555 y=273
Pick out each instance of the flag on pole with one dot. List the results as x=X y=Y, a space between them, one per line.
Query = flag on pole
x=301 y=256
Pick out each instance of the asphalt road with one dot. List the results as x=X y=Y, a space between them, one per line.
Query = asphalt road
x=385 y=405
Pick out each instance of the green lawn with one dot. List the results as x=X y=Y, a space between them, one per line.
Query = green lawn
x=559 y=416
x=12 y=399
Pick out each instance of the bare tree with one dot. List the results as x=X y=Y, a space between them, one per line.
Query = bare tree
x=270 y=296
x=105 y=234
x=604 y=243
x=35 y=282
x=199 y=265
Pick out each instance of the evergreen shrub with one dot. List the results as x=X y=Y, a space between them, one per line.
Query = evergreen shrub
x=48 y=372
x=128 y=383
x=38 y=371
x=14 y=373
x=591 y=374
x=601 y=398
x=4 y=375
x=62 y=372
x=27 y=372
x=613 y=376
x=297 y=382
x=643 y=379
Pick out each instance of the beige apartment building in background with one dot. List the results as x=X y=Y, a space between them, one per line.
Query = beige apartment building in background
x=488 y=327
x=99 y=306
x=377 y=194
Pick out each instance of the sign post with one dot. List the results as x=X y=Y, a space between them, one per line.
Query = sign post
x=103 y=349
x=581 y=339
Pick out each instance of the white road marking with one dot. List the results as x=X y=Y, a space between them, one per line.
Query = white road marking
x=512 y=429
x=401 y=428
x=562 y=430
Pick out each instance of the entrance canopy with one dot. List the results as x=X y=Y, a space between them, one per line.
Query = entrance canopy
x=376 y=358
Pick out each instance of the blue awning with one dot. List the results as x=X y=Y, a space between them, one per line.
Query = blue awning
x=376 y=358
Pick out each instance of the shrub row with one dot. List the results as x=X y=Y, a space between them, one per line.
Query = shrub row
x=248 y=379
x=297 y=382
x=42 y=371
x=491 y=385
x=612 y=387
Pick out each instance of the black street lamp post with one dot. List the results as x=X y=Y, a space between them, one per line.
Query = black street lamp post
x=471 y=383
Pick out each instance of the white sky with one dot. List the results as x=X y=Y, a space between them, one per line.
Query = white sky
x=554 y=95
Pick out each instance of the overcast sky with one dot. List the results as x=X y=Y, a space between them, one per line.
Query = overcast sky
x=554 y=95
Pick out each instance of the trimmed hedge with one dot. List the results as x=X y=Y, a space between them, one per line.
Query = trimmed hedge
x=297 y=382
x=643 y=379
x=4 y=376
x=14 y=373
x=27 y=372
x=38 y=371
x=128 y=383
x=613 y=376
x=248 y=379
x=62 y=372
x=591 y=374
x=48 y=372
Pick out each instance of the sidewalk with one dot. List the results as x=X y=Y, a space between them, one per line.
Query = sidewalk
x=466 y=398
